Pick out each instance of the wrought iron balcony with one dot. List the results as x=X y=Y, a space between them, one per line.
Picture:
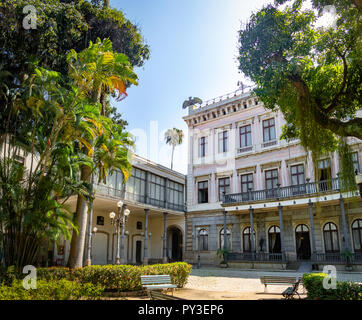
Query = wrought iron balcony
x=336 y=257
x=257 y=256
x=136 y=197
x=284 y=192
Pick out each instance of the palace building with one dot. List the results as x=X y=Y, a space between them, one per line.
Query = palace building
x=263 y=198
x=155 y=228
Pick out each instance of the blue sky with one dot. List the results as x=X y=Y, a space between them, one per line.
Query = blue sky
x=193 y=53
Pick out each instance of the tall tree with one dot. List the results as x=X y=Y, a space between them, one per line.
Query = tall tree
x=103 y=72
x=312 y=73
x=173 y=137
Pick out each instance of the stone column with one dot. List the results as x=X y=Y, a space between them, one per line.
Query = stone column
x=345 y=242
x=252 y=233
x=282 y=246
x=145 y=253
x=165 y=237
x=123 y=257
x=225 y=233
x=312 y=228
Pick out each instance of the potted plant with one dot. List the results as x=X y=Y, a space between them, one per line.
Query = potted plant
x=223 y=253
x=347 y=255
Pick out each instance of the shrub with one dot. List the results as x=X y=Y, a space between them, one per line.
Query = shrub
x=118 y=277
x=313 y=282
x=51 y=290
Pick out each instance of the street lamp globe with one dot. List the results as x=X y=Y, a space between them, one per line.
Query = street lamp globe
x=127 y=212
x=120 y=204
x=95 y=229
x=112 y=215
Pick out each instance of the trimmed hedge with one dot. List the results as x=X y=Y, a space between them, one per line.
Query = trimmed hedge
x=313 y=282
x=118 y=277
x=51 y=290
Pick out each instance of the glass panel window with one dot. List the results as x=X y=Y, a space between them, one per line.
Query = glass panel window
x=202 y=146
x=269 y=130
x=245 y=136
x=271 y=179
x=274 y=239
x=330 y=234
x=357 y=235
x=297 y=173
x=224 y=187
x=203 y=240
x=223 y=141
x=355 y=162
x=247 y=183
x=247 y=239
x=221 y=239
x=203 y=192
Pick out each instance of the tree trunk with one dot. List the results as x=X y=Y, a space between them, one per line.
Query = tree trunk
x=80 y=218
x=103 y=99
x=173 y=148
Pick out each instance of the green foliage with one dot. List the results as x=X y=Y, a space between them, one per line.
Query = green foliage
x=312 y=74
x=61 y=26
x=51 y=290
x=313 y=282
x=118 y=277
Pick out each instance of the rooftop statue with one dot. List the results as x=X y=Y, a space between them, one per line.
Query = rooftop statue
x=191 y=102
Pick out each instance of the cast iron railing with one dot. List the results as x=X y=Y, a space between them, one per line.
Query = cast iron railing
x=135 y=197
x=256 y=256
x=284 y=192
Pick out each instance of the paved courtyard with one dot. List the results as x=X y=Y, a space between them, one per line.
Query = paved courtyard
x=210 y=283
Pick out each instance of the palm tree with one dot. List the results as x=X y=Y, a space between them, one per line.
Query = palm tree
x=101 y=71
x=173 y=137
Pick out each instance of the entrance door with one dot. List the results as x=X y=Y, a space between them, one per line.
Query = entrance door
x=302 y=242
x=175 y=244
x=138 y=251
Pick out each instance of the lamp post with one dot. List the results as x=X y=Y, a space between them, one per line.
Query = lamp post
x=198 y=249
x=89 y=249
x=119 y=221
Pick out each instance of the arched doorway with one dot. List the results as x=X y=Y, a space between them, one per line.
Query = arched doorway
x=302 y=242
x=274 y=239
x=175 y=243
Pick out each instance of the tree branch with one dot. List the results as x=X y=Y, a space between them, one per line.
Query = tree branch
x=351 y=128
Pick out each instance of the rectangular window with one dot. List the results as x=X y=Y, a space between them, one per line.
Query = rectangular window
x=245 y=136
x=297 y=173
x=223 y=141
x=247 y=183
x=355 y=162
x=224 y=187
x=202 y=146
x=203 y=192
x=271 y=179
x=269 y=130
x=324 y=170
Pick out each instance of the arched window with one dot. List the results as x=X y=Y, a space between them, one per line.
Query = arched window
x=247 y=239
x=221 y=238
x=274 y=239
x=357 y=235
x=330 y=234
x=203 y=240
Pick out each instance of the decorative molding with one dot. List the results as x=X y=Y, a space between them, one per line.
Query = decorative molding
x=295 y=160
x=246 y=170
x=270 y=165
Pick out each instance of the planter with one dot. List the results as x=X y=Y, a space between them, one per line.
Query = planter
x=349 y=268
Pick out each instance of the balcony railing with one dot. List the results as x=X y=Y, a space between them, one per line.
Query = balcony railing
x=257 y=256
x=336 y=258
x=135 y=197
x=284 y=192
